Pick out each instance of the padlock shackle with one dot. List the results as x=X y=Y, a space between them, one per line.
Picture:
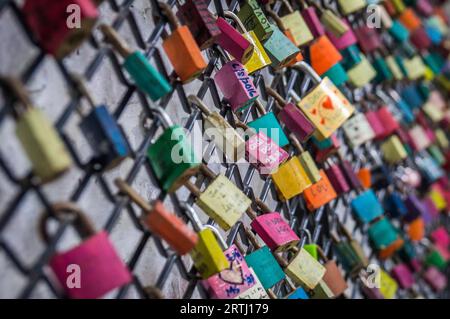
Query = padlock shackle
x=296 y=143
x=235 y=18
x=344 y=230
x=195 y=100
x=165 y=119
x=261 y=109
x=113 y=38
x=322 y=254
x=193 y=217
x=308 y=234
x=169 y=15
x=287 y=5
x=66 y=211
x=304 y=67
x=80 y=85
x=278 y=98
x=126 y=189
x=153 y=292
x=252 y=238
x=262 y=206
x=16 y=88
x=219 y=237
x=276 y=18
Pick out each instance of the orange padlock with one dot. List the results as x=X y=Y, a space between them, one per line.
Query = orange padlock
x=409 y=19
x=416 y=229
x=323 y=55
x=391 y=249
x=365 y=177
x=319 y=193
x=181 y=48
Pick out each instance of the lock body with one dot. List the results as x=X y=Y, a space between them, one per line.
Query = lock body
x=367 y=207
x=319 y=193
x=291 y=179
x=265 y=266
x=184 y=54
x=348 y=7
x=101 y=268
x=146 y=77
x=299 y=293
x=382 y=234
x=337 y=179
x=269 y=125
x=389 y=122
x=257 y=291
x=348 y=258
x=264 y=153
x=436 y=279
x=172 y=172
x=105 y=137
x=236 y=86
x=344 y=41
x=368 y=38
x=223 y=202
x=362 y=73
x=275 y=231
x=305 y=270
x=309 y=14
x=234 y=42
x=171 y=228
x=207 y=255
x=280 y=49
x=358 y=130
x=375 y=124
x=296 y=121
x=295 y=23
x=323 y=55
x=333 y=279
x=42 y=144
x=48 y=21
x=393 y=150
x=259 y=59
x=409 y=19
x=253 y=18
x=388 y=285
x=309 y=166
x=333 y=23
x=403 y=276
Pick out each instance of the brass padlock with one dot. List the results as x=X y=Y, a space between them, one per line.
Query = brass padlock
x=40 y=140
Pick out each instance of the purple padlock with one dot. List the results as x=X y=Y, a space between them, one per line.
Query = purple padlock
x=337 y=178
x=346 y=40
x=368 y=38
x=415 y=208
x=312 y=20
x=424 y=7
x=403 y=276
x=436 y=279
x=430 y=212
x=419 y=38
x=296 y=122
x=236 y=85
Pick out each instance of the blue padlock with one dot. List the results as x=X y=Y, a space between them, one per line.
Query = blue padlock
x=429 y=168
x=398 y=31
x=395 y=205
x=433 y=33
x=367 y=207
x=411 y=95
x=299 y=293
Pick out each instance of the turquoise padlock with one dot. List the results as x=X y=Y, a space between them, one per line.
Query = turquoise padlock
x=351 y=56
x=336 y=74
x=433 y=32
x=407 y=114
x=367 y=207
x=431 y=63
x=411 y=95
x=383 y=71
x=280 y=49
x=382 y=233
x=265 y=266
x=269 y=125
x=298 y=293
x=398 y=31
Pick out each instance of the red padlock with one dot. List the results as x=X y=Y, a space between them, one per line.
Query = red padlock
x=420 y=39
x=49 y=22
x=388 y=120
x=336 y=177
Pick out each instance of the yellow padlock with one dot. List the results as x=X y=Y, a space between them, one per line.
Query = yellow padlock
x=394 y=67
x=388 y=286
x=393 y=150
x=442 y=139
x=415 y=67
x=291 y=179
x=305 y=270
x=362 y=73
x=436 y=197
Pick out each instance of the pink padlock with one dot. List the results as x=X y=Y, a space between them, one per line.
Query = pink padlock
x=262 y=152
x=309 y=14
x=415 y=265
x=233 y=281
x=346 y=40
x=424 y=7
x=336 y=178
x=375 y=123
x=368 y=38
x=236 y=85
x=440 y=237
x=274 y=231
x=436 y=279
x=233 y=42
x=95 y=261
x=403 y=276
x=388 y=120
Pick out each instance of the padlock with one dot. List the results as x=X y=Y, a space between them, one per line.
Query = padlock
x=424 y=7
x=298 y=293
x=263 y=262
x=220 y=131
x=323 y=55
x=351 y=56
x=309 y=14
x=409 y=19
x=388 y=285
x=203 y=26
x=399 y=5
x=416 y=229
x=39 y=139
x=325 y=106
x=181 y=48
x=234 y=280
x=348 y=172
x=321 y=291
x=331 y=21
x=253 y=18
x=420 y=39
x=281 y=50
x=394 y=67
x=437 y=23
x=414 y=68
x=348 y=7
x=172 y=168
x=310 y=246
x=411 y=96
x=362 y=73
x=386 y=117
x=365 y=178
x=384 y=73
x=296 y=25
x=358 y=130
x=367 y=207
x=257 y=291
x=236 y=86
x=102 y=131
x=259 y=58
x=415 y=207
x=337 y=74
x=393 y=150
x=208 y=254
x=382 y=233
x=145 y=76
x=269 y=125
x=354 y=245
x=304 y=270
x=160 y=221
x=419 y=138
x=375 y=123
x=306 y=161
x=347 y=256
x=368 y=38
x=398 y=31
x=333 y=277
x=49 y=22
x=428 y=167
x=437 y=196
x=292 y=117
x=320 y=193
x=395 y=204
x=336 y=177
x=433 y=32
x=274 y=230
x=437 y=257
x=322 y=154
x=234 y=42
x=435 y=279
x=442 y=139
x=222 y=200
x=440 y=237
x=100 y=266
x=431 y=212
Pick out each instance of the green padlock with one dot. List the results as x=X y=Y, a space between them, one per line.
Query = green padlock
x=383 y=71
x=435 y=258
x=351 y=56
x=336 y=74
x=143 y=73
x=254 y=19
x=382 y=233
x=436 y=153
x=171 y=155
x=39 y=139
x=347 y=256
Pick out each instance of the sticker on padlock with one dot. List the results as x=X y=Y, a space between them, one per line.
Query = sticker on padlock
x=49 y=22
x=325 y=106
x=39 y=139
x=319 y=193
x=146 y=77
x=160 y=221
x=101 y=268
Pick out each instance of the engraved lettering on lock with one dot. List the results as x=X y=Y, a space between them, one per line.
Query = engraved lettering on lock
x=73 y=21
x=74 y=279
x=373 y=16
